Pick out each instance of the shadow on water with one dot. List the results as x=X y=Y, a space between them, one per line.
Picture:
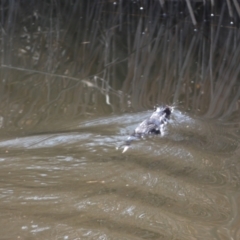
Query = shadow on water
x=76 y=80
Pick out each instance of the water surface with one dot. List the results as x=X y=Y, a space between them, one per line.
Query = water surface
x=75 y=184
x=76 y=78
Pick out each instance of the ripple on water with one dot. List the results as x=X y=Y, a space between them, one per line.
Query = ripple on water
x=174 y=193
x=174 y=187
x=159 y=220
x=206 y=134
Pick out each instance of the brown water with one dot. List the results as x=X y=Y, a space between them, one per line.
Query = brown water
x=75 y=184
x=76 y=78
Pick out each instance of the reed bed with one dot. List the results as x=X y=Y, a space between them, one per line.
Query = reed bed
x=62 y=60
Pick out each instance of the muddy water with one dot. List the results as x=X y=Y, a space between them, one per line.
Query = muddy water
x=70 y=76
x=73 y=183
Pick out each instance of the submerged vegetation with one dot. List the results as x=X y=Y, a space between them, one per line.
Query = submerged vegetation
x=65 y=59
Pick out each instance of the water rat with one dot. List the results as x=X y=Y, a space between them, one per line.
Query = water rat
x=150 y=126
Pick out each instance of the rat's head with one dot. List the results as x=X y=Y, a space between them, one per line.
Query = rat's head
x=167 y=110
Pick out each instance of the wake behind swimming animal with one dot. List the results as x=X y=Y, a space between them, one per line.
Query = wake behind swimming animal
x=150 y=126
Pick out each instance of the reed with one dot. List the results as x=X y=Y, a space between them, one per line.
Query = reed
x=80 y=59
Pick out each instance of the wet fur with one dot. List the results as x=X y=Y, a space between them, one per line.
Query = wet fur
x=150 y=126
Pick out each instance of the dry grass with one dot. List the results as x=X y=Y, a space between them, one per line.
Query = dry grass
x=63 y=60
